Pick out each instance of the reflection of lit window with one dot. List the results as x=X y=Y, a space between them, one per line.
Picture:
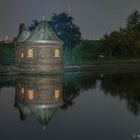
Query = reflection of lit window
x=57 y=94
x=57 y=53
x=22 y=55
x=22 y=90
x=30 y=53
x=30 y=94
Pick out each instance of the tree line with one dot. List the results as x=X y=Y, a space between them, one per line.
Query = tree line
x=124 y=43
x=121 y=44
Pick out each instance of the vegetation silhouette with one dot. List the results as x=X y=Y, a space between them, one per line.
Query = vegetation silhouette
x=65 y=28
x=124 y=43
x=126 y=87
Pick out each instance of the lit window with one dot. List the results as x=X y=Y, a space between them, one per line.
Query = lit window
x=57 y=94
x=22 y=90
x=22 y=55
x=57 y=53
x=30 y=53
x=30 y=94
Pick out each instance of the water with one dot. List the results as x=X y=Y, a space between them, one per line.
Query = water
x=74 y=106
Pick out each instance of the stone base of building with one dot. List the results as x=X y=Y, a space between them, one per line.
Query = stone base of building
x=40 y=71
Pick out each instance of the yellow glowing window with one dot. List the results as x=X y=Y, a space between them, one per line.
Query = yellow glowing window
x=22 y=90
x=22 y=55
x=30 y=94
x=57 y=94
x=30 y=53
x=57 y=53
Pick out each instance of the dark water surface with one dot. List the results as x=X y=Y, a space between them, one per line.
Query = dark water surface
x=85 y=106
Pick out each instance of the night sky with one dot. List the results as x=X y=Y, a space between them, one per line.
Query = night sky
x=95 y=17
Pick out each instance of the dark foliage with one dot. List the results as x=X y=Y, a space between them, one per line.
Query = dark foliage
x=22 y=27
x=63 y=25
x=124 y=43
x=33 y=25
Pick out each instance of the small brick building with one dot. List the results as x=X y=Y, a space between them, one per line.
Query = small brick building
x=39 y=51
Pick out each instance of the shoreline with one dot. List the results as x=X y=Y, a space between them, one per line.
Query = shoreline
x=108 y=67
x=102 y=67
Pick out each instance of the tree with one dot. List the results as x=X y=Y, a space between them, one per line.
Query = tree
x=112 y=44
x=63 y=25
x=33 y=25
x=126 y=41
x=22 y=27
x=133 y=20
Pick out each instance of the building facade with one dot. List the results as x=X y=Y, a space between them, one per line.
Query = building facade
x=39 y=51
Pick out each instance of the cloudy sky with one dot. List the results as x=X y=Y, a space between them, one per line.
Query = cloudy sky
x=95 y=17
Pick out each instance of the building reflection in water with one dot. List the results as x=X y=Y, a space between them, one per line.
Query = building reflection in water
x=39 y=96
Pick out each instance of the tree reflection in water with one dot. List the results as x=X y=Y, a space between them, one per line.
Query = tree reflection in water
x=123 y=85
x=43 y=96
x=126 y=86
x=73 y=84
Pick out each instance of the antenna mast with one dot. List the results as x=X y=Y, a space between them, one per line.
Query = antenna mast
x=69 y=9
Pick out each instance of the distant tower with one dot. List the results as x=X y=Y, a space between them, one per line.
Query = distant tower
x=68 y=9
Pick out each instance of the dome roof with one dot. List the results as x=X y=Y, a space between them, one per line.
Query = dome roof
x=43 y=33
x=43 y=114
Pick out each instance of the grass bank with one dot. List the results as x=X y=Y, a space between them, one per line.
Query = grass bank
x=85 y=53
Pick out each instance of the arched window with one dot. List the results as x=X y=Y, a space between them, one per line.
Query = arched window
x=30 y=53
x=30 y=94
x=57 y=53
x=57 y=94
